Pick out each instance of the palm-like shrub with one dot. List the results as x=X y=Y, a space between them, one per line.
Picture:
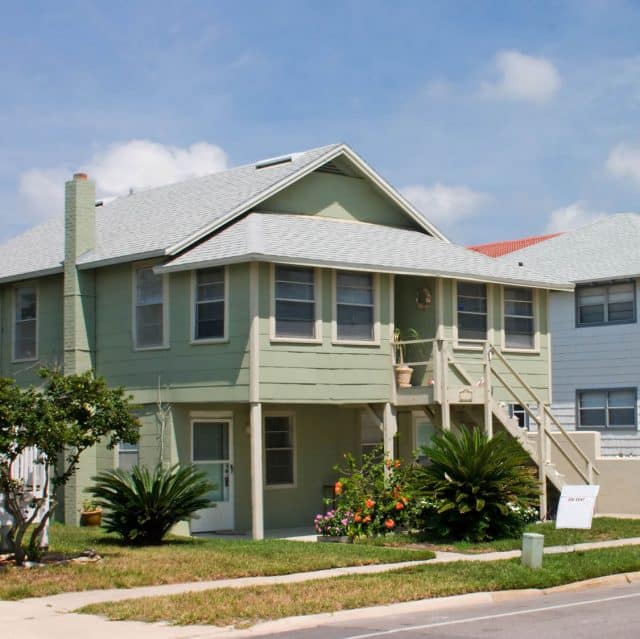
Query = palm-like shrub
x=477 y=488
x=141 y=506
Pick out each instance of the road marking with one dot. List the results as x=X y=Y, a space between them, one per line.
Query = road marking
x=439 y=624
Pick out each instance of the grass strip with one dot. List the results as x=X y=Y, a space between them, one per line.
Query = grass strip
x=228 y=606
x=182 y=560
x=603 y=529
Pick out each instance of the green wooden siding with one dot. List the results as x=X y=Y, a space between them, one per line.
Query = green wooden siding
x=324 y=372
x=185 y=371
x=50 y=332
x=339 y=197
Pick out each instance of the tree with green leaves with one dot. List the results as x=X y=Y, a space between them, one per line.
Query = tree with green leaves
x=66 y=417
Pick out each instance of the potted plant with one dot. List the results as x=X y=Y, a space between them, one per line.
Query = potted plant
x=402 y=371
x=90 y=515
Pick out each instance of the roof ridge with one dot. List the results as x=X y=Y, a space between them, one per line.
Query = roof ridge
x=230 y=169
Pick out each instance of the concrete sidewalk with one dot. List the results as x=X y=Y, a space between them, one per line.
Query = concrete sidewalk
x=27 y=618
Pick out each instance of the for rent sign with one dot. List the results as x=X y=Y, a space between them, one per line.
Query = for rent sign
x=576 y=507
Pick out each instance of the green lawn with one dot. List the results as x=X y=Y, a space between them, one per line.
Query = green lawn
x=182 y=560
x=604 y=528
x=249 y=605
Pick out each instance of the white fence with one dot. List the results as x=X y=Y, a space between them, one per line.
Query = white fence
x=29 y=469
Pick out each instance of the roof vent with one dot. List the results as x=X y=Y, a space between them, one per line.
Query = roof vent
x=283 y=159
x=331 y=167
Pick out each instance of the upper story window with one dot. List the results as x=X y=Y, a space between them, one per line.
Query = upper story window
x=209 y=315
x=355 y=306
x=25 y=323
x=607 y=408
x=295 y=302
x=149 y=308
x=472 y=311
x=606 y=304
x=519 y=324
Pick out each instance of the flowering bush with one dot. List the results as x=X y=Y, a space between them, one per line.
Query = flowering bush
x=373 y=497
x=336 y=523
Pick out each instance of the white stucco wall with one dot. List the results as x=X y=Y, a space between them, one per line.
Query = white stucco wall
x=591 y=358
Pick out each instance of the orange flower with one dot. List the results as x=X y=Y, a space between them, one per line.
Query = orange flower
x=389 y=524
x=396 y=463
x=366 y=520
x=357 y=518
x=369 y=503
x=399 y=505
x=337 y=489
x=387 y=462
x=405 y=501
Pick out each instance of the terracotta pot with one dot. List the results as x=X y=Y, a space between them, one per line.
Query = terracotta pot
x=335 y=540
x=403 y=376
x=91 y=518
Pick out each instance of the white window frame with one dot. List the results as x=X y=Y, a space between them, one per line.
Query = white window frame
x=472 y=344
x=292 y=423
x=536 y=323
x=134 y=305
x=375 y=277
x=194 y=302
x=317 y=293
x=14 y=308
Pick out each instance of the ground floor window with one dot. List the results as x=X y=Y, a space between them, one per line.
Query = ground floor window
x=128 y=456
x=423 y=432
x=370 y=433
x=607 y=408
x=524 y=419
x=279 y=450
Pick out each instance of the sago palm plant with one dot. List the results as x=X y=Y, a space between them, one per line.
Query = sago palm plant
x=479 y=488
x=142 y=506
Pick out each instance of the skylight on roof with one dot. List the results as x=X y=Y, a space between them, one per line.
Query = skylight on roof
x=283 y=159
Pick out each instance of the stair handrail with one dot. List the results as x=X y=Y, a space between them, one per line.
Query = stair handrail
x=590 y=467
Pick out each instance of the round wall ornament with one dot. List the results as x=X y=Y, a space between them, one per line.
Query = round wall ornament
x=423 y=298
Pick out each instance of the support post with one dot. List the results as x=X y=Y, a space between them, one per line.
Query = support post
x=542 y=460
x=389 y=429
x=488 y=411
x=255 y=416
x=444 y=369
x=257 y=488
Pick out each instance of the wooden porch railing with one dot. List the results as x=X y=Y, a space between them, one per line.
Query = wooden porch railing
x=495 y=366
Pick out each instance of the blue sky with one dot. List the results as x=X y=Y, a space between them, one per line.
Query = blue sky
x=498 y=119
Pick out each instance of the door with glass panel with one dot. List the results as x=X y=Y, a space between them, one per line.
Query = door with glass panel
x=211 y=446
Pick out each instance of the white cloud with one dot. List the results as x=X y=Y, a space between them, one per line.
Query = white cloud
x=444 y=205
x=624 y=162
x=572 y=217
x=523 y=77
x=137 y=164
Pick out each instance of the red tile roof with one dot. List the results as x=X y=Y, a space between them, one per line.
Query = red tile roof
x=497 y=249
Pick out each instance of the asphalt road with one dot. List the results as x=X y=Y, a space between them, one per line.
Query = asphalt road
x=595 y=612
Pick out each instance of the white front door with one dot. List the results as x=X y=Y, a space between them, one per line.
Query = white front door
x=211 y=448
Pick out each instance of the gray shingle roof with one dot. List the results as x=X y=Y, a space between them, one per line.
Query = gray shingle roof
x=38 y=251
x=165 y=220
x=604 y=250
x=151 y=221
x=328 y=242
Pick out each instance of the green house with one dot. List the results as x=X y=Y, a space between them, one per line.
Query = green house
x=257 y=316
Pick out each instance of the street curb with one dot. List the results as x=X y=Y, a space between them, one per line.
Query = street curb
x=468 y=600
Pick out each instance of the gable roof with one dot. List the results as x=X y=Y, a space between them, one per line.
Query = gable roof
x=498 y=249
x=604 y=250
x=316 y=241
x=168 y=219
